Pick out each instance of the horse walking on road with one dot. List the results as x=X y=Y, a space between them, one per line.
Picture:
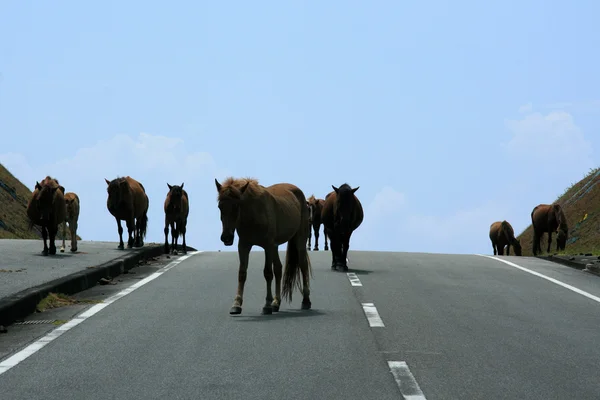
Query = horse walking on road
x=72 y=218
x=342 y=214
x=267 y=217
x=315 y=206
x=127 y=200
x=47 y=209
x=549 y=218
x=502 y=234
x=176 y=213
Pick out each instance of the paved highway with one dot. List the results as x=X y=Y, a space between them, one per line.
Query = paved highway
x=449 y=327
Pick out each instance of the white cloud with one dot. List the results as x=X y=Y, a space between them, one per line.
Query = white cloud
x=553 y=137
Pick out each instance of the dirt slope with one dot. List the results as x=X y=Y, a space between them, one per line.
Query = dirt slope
x=581 y=203
x=14 y=197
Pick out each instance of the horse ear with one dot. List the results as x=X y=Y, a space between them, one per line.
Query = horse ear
x=107 y=181
x=336 y=189
x=182 y=184
x=355 y=189
x=170 y=187
x=243 y=189
x=218 y=185
x=37 y=185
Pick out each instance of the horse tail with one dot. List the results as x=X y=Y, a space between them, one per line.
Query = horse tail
x=297 y=261
x=144 y=224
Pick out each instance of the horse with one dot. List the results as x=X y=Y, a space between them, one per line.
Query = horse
x=342 y=214
x=502 y=234
x=127 y=200
x=177 y=209
x=549 y=218
x=267 y=217
x=72 y=218
x=315 y=206
x=47 y=208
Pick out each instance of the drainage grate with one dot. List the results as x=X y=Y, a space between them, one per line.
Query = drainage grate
x=35 y=322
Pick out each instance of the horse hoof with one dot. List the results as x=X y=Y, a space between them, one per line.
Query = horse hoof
x=120 y=247
x=275 y=307
x=326 y=248
x=62 y=249
x=316 y=249
x=306 y=305
x=267 y=310
x=73 y=249
x=235 y=310
x=52 y=251
x=175 y=252
x=44 y=252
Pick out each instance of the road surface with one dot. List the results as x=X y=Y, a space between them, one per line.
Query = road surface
x=448 y=326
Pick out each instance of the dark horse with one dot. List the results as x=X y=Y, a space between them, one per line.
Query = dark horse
x=502 y=234
x=48 y=209
x=127 y=200
x=549 y=218
x=267 y=217
x=315 y=206
x=177 y=208
x=342 y=214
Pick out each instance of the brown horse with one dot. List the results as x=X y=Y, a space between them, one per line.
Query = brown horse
x=502 y=234
x=47 y=208
x=267 y=217
x=342 y=214
x=549 y=218
x=72 y=218
x=177 y=209
x=315 y=206
x=127 y=200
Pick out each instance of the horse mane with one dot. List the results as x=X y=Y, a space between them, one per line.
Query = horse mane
x=231 y=187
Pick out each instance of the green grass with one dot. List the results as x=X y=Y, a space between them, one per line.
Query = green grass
x=56 y=300
x=584 y=233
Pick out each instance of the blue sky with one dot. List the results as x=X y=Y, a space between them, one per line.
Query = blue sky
x=448 y=115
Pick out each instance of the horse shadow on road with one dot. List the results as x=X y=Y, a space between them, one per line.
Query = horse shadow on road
x=281 y=315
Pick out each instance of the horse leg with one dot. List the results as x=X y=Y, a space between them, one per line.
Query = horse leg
x=52 y=230
x=64 y=233
x=174 y=236
x=508 y=249
x=131 y=231
x=316 y=228
x=277 y=270
x=500 y=249
x=137 y=232
x=45 y=239
x=549 y=241
x=166 y=231
x=244 y=255
x=309 y=237
x=325 y=234
x=183 y=230
x=120 y=229
x=73 y=229
x=344 y=256
x=268 y=274
x=336 y=249
x=536 y=243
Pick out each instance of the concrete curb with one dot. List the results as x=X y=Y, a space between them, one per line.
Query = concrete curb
x=569 y=263
x=23 y=303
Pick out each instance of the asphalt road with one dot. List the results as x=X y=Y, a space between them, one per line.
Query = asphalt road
x=467 y=327
x=22 y=265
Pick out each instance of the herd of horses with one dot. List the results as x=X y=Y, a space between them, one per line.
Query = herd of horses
x=261 y=216
x=264 y=216
x=545 y=218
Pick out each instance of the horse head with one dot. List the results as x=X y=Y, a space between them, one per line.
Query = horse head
x=344 y=205
x=230 y=195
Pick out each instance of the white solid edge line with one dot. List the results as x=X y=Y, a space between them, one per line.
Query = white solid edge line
x=354 y=281
x=40 y=343
x=556 y=281
x=405 y=380
x=372 y=315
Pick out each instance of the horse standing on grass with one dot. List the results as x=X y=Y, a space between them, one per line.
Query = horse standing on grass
x=176 y=213
x=502 y=234
x=127 y=200
x=315 y=206
x=72 y=218
x=342 y=214
x=47 y=208
x=549 y=218
x=267 y=217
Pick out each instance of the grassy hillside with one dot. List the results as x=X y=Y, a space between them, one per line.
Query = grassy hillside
x=14 y=197
x=581 y=204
